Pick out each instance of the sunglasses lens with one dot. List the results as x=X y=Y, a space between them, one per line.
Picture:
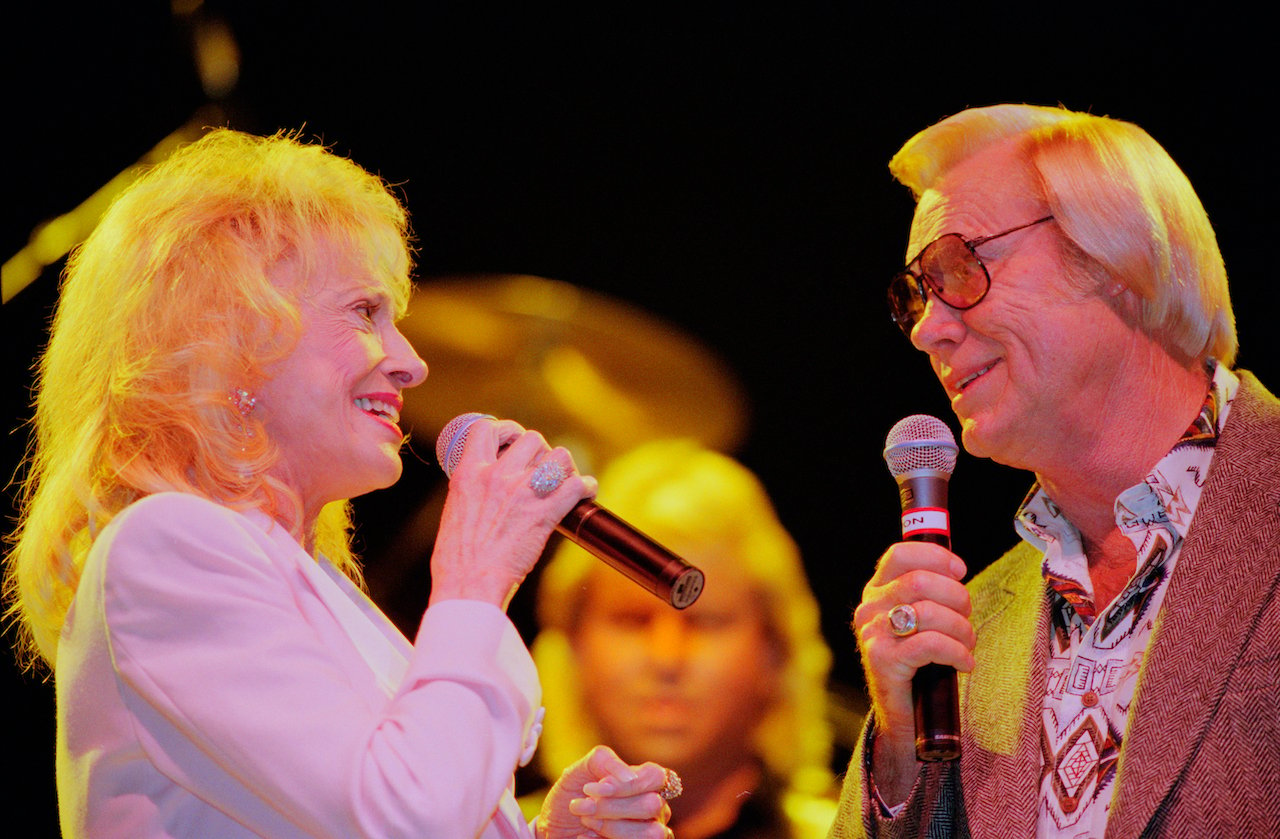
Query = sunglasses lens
x=953 y=272
x=905 y=303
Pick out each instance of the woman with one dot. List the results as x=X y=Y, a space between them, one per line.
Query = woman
x=224 y=371
x=729 y=692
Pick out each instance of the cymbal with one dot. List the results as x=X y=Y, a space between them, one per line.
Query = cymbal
x=592 y=373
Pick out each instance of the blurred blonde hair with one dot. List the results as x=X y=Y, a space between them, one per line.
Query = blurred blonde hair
x=679 y=492
x=185 y=291
x=1119 y=198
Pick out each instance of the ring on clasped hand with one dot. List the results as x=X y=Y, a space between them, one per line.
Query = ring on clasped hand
x=903 y=620
x=673 y=787
x=547 y=478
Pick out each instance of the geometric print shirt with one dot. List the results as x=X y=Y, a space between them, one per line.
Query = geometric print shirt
x=1097 y=649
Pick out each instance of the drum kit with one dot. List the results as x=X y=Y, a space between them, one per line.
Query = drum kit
x=592 y=373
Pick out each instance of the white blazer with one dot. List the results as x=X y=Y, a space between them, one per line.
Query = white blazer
x=214 y=680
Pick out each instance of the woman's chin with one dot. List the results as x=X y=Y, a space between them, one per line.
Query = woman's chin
x=382 y=474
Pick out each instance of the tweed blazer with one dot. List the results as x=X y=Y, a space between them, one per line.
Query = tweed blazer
x=1200 y=756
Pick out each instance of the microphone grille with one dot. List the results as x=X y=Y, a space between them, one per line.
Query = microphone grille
x=453 y=439
x=920 y=442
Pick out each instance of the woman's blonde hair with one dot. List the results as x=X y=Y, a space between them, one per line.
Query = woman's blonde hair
x=678 y=492
x=177 y=300
x=1119 y=198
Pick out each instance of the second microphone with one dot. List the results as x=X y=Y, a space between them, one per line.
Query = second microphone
x=600 y=532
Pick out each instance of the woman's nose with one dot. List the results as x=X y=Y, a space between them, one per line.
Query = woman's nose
x=406 y=365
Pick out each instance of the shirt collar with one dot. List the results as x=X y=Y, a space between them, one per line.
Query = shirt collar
x=1039 y=520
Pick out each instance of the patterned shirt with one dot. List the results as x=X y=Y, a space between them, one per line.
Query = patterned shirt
x=1096 y=650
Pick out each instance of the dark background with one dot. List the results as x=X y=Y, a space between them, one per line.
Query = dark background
x=723 y=169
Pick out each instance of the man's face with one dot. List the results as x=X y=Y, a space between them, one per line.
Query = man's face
x=1029 y=369
x=684 y=688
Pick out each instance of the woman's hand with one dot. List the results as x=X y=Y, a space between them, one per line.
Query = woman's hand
x=495 y=526
x=927 y=578
x=600 y=795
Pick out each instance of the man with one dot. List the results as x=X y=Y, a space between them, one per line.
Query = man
x=1119 y=668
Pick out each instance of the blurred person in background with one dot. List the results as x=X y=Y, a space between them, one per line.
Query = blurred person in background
x=730 y=692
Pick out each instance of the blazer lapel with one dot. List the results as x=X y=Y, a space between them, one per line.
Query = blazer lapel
x=1003 y=700
x=372 y=635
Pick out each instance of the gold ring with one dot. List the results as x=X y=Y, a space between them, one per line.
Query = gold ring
x=903 y=620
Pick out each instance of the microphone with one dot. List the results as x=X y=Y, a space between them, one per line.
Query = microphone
x=599 y=532
x=921 y=453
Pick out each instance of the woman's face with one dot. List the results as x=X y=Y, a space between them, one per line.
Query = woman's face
x=332 y=407
x=683 y=688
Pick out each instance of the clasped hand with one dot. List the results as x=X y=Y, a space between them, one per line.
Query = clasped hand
x=602 y=795
x=495 y=526
x=926 y=577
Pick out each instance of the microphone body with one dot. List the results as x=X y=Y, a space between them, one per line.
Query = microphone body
x=600 y=533
x=921 y=453
x=625 y=549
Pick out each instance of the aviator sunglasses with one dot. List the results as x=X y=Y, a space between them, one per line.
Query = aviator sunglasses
x=951 y=268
